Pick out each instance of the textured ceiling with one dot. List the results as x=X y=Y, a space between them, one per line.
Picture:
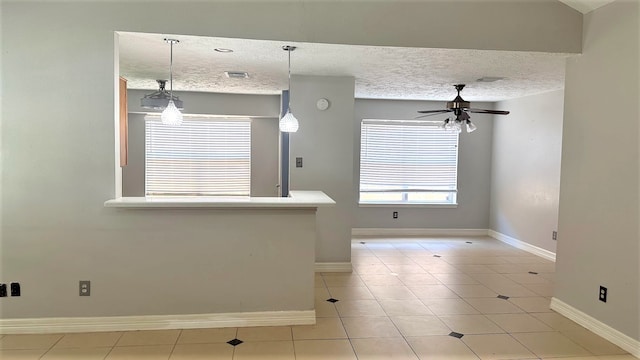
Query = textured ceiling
x=380 y=72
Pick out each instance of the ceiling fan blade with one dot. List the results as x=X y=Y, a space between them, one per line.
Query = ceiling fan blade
x=422 y=116
x=483 y=111
x=434 y=111
x=431 y=114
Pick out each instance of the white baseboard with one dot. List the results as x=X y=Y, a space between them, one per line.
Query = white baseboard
x=546 y=254
x=341 y=267
x=156 y=322
x=597 y=327
x=416 y=232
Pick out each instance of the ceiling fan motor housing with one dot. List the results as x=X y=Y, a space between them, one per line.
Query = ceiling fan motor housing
x=458 y=102
x=460 y=108
x=159 y=99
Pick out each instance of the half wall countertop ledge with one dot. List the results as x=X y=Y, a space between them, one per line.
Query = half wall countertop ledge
x=296 y=199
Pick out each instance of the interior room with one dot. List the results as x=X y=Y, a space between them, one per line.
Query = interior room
x=445 y=185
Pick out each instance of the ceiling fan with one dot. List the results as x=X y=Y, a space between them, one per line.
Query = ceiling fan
x=461 y=109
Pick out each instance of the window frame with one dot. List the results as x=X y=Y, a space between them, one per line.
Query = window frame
x=149 y=119
x=452 y=194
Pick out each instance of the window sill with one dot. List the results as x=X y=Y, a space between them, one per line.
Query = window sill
x=406 y=205
x=297 y=199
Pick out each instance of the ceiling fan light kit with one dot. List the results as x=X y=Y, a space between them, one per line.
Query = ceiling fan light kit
x=471 y=127
x=158 y=100
x=461 y=109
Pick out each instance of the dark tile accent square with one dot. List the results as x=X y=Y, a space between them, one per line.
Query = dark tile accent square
x=503 y=297
x=456 y=335
x=332 y=300
x=235 y=342
x=437 y=256
x=533 y=273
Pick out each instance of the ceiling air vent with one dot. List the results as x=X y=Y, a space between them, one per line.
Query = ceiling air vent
x=489 y=79
x=237 y=74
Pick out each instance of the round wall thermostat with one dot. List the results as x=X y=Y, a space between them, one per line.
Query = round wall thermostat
x=322 y=104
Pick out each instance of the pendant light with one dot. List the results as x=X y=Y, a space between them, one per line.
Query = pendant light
x=171 y=115
x=289 y=123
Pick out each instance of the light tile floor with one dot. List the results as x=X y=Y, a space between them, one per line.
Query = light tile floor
x=402 y=301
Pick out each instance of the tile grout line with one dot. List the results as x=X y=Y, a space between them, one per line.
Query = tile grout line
x=524 y=346
x=175 y=343
x=404 y=337
x=386 y=313
x=233 y=353
x=465 y=344
x=342 y=323
x=293 y=343
x=555 y=331
x=506 y=332
x=114 y=345
x=436 y=315
x=52 y=346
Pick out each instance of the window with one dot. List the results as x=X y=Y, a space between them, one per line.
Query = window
x=407 y=162
x=203 y=156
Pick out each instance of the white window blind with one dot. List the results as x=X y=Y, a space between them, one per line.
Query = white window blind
x=407 y=161
x=200 y=157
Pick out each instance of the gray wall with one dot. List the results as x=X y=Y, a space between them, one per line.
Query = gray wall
x=185 y=262
x=598 y=217
x=474 y=172
x=325 y=142
x=337 y=22
x=525 y=176
x=59 y=152
x=133 y=174
x=264 y=136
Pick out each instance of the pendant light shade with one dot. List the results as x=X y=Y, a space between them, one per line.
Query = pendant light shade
x=171 y=115
x=288 y=123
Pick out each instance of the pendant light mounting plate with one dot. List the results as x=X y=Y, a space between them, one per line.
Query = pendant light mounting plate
x=171 y=41
x=289 y=48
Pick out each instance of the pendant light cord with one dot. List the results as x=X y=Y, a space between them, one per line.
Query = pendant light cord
x=289 y=97
x=171 y=42
x=171 y=71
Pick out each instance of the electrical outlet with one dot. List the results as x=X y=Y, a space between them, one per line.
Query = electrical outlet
x=3 y=290
x=84 y=287
x=298 y=162
x=554 y=235
x=395 y=214
x=603 y=294
x=15 y=289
